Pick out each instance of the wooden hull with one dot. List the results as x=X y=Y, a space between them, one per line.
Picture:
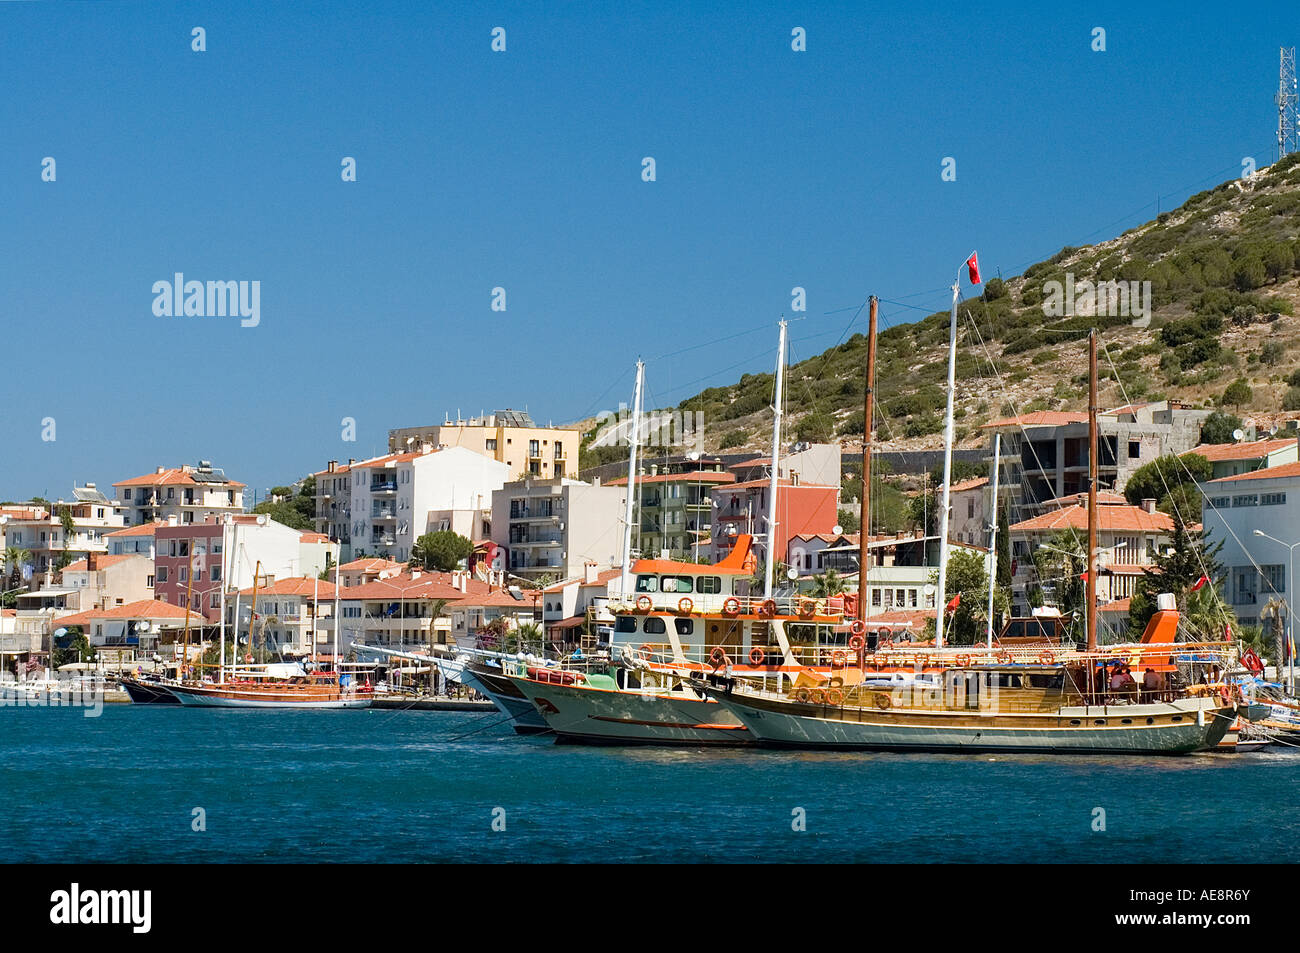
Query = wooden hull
x=148 y=693
x=585 y=715
x=1193 y=724
x=226 y=696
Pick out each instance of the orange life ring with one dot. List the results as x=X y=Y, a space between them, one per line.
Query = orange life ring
x=962 y=660
x=1004 y=658
x=857 y=643
x=768 y=607
x=718 y=657
x=757 y=656
x=881 y=700
x=684 y=604
x=644 y=603
x=807 y=607
x=839 y=659
x=646 y=650
x=858 y=627
x=1046 y=658
x=801 y=694
x=731 y=606
x=834 y=696
x=816 y=696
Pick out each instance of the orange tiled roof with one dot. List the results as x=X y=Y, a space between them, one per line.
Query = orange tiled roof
x=337 y=470
x=104 y=562
x=1250 y=450
x=695 y=476
x=402 y=586
x=392 y=458
x=369 y=564
x=144 y=529
x=144 y=609
x=295 y=586
x=783 y=482
x=1112 y=518
x=314 y=538
x=971 y=484
x=1040 y=418
x=1268 y=473
x=172 y=476
x=1119 y=605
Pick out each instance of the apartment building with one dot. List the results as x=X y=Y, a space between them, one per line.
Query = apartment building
x=555 y=527
x=368 y=569
x=815 y=463
x=132 y=540
x=129 y=635
x=970 y=513
x=394 y=496
x=192 y=561
x=334 y=503
x=675 y=507
x=294 y=616
x=1128 y=538
x=1236 y=508
x=742 y=509
x=409 y=610
x=566 y=604
x=1231 y=459
x=103 y=582
x=507 y=436
x=190 y=494
x=1044 y=455
x=38 y=529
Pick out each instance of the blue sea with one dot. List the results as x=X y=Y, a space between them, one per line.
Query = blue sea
x=393 y=786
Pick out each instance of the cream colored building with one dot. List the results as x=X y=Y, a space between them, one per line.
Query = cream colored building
x=508 y=436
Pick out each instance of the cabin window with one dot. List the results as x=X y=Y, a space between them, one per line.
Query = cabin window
x=1176 y=718
x=684 y=626
x=625 y=624
x=1047 y=681
x=709 y=585
x=654 y=625
x=647 y=583
x=801 y=633
x=676 y=584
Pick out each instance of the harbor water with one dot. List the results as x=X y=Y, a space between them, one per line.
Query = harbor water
x=167 y=784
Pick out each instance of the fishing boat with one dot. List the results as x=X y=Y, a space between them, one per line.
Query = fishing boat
x=274 y=686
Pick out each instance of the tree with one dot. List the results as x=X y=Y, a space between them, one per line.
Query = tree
x=827 y=584
x=15 y=559
x=849 y=521
x=1219 y=428
x=1176 y=569
x=442 y=551
x=1237 y=393
x=295 y=510
x=1059 y=562
x=1157 y=479
x=968 y=623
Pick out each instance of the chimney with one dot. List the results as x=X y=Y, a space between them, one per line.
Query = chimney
x=589 y=573
x=1149 y=505
x=159 y=469
x=92 y=562
x=171 y=520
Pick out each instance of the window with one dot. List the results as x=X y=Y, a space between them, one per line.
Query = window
x=684 y=626
x=148 y=581
x=126 y=494
x=625 y=624
x=214 y=572
x=654 y=625
x=1272 y=499
x=1134 y=449
x=676 y=584
x=709 y=585
x=1274 y=578
x=970 y=507
x=647 y=583
x=491 y=443
x=1247 y=499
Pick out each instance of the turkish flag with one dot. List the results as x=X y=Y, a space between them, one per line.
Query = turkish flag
x=973 y=268
x=1200 y=582
x=956 y=601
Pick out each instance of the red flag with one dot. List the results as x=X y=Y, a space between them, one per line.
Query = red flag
x=973 y=268
x=1200 y=582
x=1084 y=575
x=956 y=601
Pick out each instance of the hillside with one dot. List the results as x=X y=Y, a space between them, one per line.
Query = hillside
x=1225 y=285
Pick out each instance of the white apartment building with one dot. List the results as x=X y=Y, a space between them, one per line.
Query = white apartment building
x=132 y=540
x=1234 y=508
x=556 y=527
x=295 y=616
x=393 y=497
x=334 y=503
x=507 y=436
x=190 y=494
x=38 y=529
x=103 y=582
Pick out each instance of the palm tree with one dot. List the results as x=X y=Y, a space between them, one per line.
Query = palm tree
x=1275 y=610
x=827 y=584
x=437 y=609
x=15 y=558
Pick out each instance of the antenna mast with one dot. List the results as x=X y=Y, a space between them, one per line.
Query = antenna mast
x=1287 y=116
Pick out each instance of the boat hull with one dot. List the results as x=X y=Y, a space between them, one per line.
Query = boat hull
x=221 y=697
x=584 y=715
x=507 y=697
x=148 y=693
x=781 y=723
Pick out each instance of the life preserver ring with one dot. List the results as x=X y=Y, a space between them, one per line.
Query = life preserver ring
x=684 y=604
x=963 y=660
x=816 y=696
x=834 y=697
x=923 y=660
x=644 y=603
x=1004 y=658
x=768 y=607
x=646 y=651
x=839 y=659
x=884 y=644
x=757 y=656
x=718 y=657
x=807 y=607
x=857 y=643
x=881 y=700
x=731 y=606
x=1046 y=658
x=858 y=627
x=801 y=694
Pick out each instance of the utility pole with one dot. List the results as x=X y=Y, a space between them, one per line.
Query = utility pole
x=864 y=528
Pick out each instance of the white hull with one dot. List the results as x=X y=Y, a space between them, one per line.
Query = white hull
x=608 y=716
x=934 y=731
x=524 y=716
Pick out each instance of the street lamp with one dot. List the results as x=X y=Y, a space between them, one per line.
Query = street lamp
x=1290 y=583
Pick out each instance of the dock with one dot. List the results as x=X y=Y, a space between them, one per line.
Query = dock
x=408 y=703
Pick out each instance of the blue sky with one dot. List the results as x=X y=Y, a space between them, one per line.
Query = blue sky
x=522 y=169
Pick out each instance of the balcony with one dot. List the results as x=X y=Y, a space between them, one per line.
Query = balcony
x=383 y=513
x=388 y=486
x=388 y=540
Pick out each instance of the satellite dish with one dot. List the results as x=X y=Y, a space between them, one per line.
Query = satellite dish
x=1238 y=434
x=261 y=519
x=143 y=627
x=792 y=573
x=837 y=529
x=929 y=589
x=60 y=632
x=693 y=455
x=1272 y=429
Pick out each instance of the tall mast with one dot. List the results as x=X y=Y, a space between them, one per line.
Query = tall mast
x=1092 y=490
x=189 y=593
x=221 y=651
x=770 y=569
x=634 y=439
x=338 y=669
x=941 y=599
x=252 y=609
x=993 y=531
x=867 y=419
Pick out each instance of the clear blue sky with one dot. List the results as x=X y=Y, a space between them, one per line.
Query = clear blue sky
x=478 y=169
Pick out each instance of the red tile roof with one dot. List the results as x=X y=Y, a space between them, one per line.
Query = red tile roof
x=971 y=484
x=1112 y=518
x=152 y=609
x=173 y=476
x=314 y=538
x=369 y=564
x=1040 y=418
x=144 y=529
x=1250 y=450
x=104 y=562
x=1268 y=473
x=783 y=482
x=295 y=586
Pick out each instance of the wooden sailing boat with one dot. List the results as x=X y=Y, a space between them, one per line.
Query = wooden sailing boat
x=975 y=700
